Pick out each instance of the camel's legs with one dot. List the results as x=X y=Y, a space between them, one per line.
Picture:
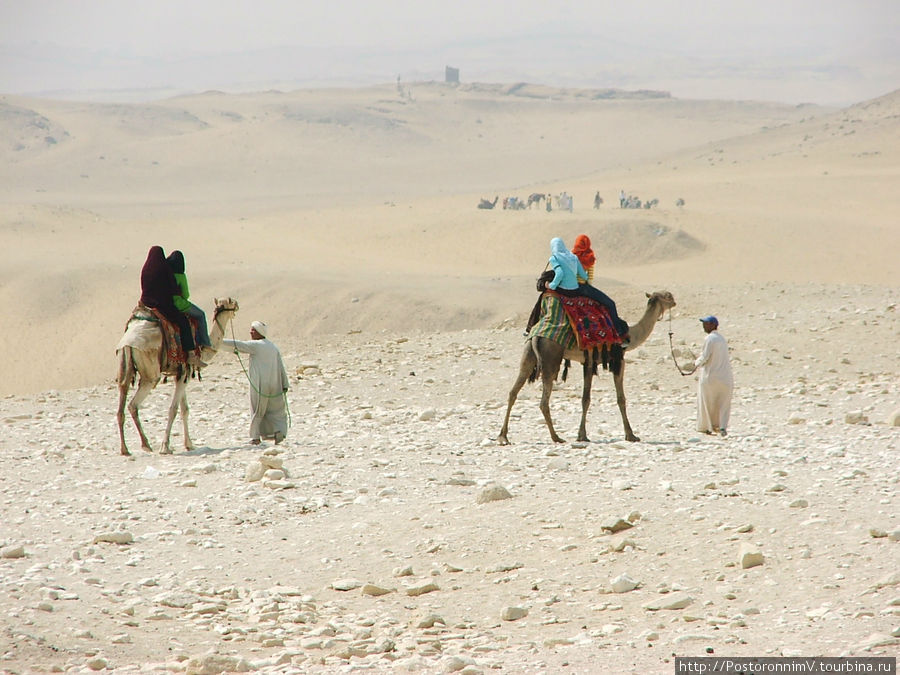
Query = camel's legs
x=549 y=355
x=120 y=416
x=125 y=376
x=527 y=364
x=174 y=405
x=620 y=399
x=586 y=397
x=143 y=390
x=188 y=445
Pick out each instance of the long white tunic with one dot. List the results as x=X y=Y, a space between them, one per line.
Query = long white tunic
x=715 y=386
x=268 y=382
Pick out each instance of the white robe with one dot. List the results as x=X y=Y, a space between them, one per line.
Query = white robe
x=715 y=386
x=268 y=382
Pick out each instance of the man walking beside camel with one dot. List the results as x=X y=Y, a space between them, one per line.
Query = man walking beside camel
x=268 y=384
x=716 y=382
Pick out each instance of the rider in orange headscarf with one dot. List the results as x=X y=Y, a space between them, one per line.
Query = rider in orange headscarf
x=585 y=254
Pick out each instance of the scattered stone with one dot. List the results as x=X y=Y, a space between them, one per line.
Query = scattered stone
x=492 y=493
x=677 y=601
x=799 y=504
x=623 y=583
x=403 y=571
x=346 y=584
x=513 y=613
x=117 y=537
x=614 y=525
x=214 y=664
x=12 y=552
x=877 y=533
x=429 y=620
x=856 y=417
x=876 y=640
x=255 y=471
x=373 y=590
x=414 y=591
x=894 y=418
x=744 y=529
x=97 y=663
x=750 y=556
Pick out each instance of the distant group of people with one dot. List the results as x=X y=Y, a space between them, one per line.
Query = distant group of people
x=164 y=287
x=573 y=274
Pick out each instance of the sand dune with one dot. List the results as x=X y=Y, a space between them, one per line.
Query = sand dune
x=300 y=202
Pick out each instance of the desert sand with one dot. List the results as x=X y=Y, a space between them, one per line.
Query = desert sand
x=347 y=220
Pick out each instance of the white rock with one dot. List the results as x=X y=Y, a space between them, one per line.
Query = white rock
x=375 y=591
x=676 y=601
x=492 y=493
x=255 y=471
x=750 y=556
x=12 y=552
x=513 y=613
x=623 y=583
x=856 y=417
x=214 y=664
x=346 y=584
x=116 y=537
x=422 y=589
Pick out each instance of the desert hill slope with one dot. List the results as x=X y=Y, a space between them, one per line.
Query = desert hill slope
x=333 y=210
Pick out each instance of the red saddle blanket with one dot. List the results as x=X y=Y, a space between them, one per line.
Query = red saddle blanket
x=171 y=332
x=590 y=321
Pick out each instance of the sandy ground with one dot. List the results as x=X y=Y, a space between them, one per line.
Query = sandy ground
x=347 y=221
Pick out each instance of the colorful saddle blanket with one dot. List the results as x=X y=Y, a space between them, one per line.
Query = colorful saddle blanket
x=171 y=333
x=575 y=322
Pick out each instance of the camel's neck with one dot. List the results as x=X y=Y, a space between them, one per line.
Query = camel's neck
x=640 y=331
x=217 y=333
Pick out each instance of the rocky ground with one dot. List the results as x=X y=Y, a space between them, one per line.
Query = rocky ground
x=389 y=532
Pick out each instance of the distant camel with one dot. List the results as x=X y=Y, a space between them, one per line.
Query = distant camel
x=142 y=353
x=487 y=204
x=542 y=357
x=535 y=198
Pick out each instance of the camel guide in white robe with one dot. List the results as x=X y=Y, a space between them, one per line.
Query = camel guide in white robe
x=268 y=384
x=716 y=382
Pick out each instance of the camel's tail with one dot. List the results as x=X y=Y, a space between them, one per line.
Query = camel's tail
x=536 y=371
x=126 y=367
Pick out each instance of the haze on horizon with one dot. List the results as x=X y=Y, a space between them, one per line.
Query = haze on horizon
x=832 y=52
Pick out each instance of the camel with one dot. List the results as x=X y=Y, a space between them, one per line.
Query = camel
x=543 y=357
x=487 y=203
x=535 y=198
x=141 y=352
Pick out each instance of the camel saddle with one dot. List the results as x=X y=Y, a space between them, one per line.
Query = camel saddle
x=171 y=333
x=575 y=321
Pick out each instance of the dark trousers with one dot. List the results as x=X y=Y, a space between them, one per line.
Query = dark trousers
x=597 y=295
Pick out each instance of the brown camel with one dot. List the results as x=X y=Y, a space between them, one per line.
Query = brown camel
x=141 y=353
x=543 y=357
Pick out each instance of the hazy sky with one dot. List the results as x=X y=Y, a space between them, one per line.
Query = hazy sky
x=857 y=34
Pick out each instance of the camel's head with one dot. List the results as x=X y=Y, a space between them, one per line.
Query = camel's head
x=226 y=305
x=662 y=299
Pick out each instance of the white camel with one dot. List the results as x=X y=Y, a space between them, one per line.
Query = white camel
x=141 y=352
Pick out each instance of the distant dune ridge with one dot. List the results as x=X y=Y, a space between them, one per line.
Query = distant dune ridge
x=354 y=209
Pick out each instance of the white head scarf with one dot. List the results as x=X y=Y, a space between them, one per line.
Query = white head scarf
x=260 y=328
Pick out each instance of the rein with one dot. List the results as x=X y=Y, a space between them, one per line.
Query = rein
x=253 y=386
x=672 y=348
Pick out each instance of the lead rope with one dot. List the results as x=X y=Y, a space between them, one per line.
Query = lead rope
x=253 y=386
x=672 y=348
